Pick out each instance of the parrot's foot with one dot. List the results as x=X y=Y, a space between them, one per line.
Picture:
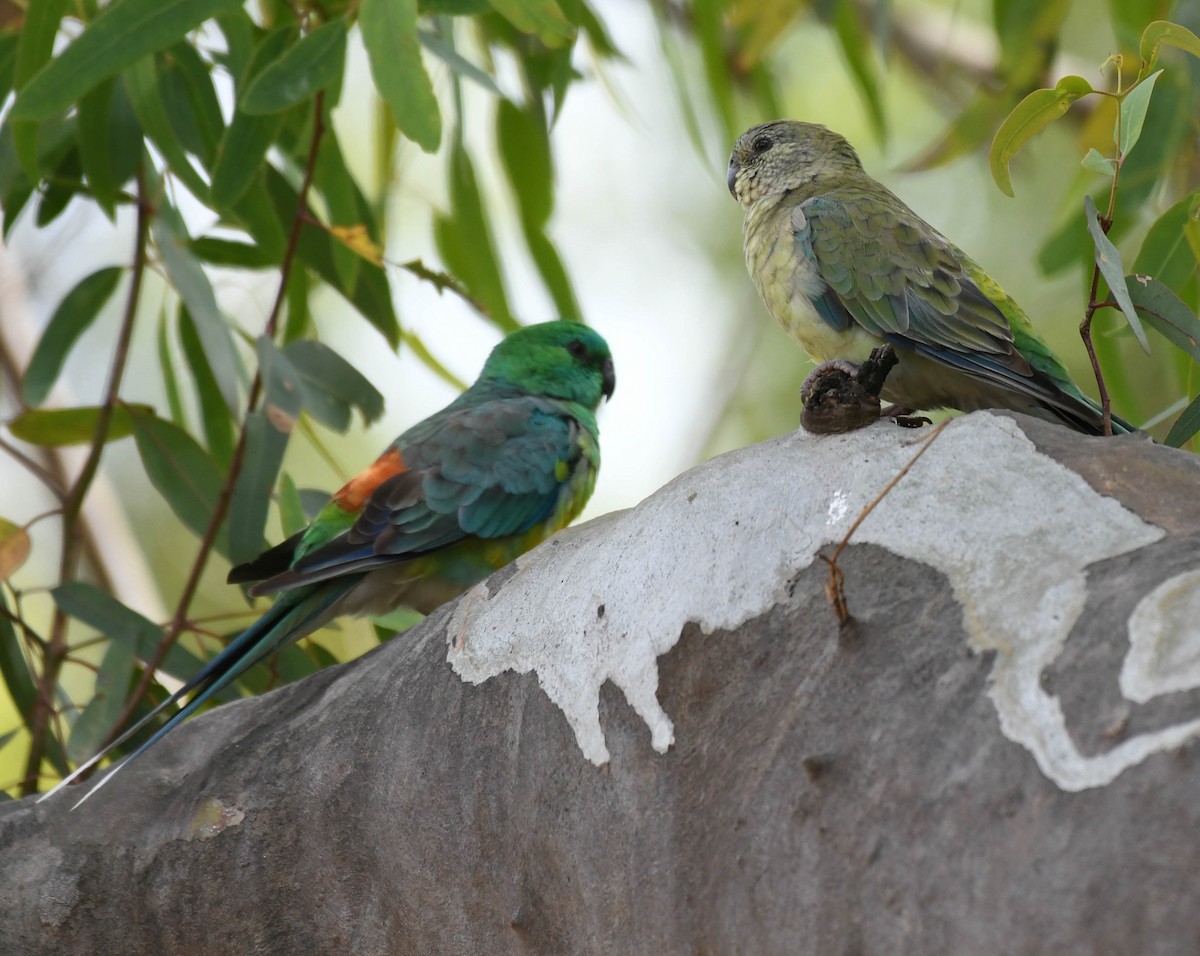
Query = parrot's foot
x=839 y=396
x=905 y=417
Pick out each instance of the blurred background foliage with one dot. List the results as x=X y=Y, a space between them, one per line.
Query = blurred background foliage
x=245 y=244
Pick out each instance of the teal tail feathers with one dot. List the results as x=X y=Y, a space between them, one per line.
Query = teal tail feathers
x=293 y=615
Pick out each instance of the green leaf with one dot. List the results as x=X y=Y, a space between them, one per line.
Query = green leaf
x=333 y=180
x=457 y=62
x=145 y=94
x=14 y=548
x=1133 y=113
x=101 y=713
x=371 y=295
x=524 y=146
x=8 y=58
x=291 y=509
x=95 y=145
x=542 y=18
x=267 y=433
x=55 y=427
x=856 y=48
x=214 y=413
x=74 y=314
x=314 y=63
x=1164 y=311
x=465 y=242
x=1165 y=251
x=195 y=109
x=1186 y=425
x=1032 y=115
x=36 y=43
x=167 y=364
x=1108 y=259
x=33 y=52
x=196 y=292
x=247 y=138
x=182 y=471
x=321 y=368
x=1099 y=163
x=122 y=34
x=1172 y=34
x=100 y=610
x=389 y=32
x=231 y=254
x=14 y=667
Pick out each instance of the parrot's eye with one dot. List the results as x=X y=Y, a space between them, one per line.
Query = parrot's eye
x=577 y=349
x=761 y=144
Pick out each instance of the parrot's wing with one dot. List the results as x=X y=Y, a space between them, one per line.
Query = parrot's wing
x=899 y=278
x=484 y=471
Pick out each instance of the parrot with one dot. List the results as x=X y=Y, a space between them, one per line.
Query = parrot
x=457 y=496
x=845 y=266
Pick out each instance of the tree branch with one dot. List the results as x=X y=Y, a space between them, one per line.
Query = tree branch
x=72 y=541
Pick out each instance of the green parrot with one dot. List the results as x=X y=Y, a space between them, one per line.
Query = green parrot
x=845 y=266
x=457 y=496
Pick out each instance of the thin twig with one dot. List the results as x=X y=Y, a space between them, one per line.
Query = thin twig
x=179 y=620
x=1093 y=306
x=72 y=541
x=834 y=588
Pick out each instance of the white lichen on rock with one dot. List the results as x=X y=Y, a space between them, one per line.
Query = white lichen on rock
x=1012 y=530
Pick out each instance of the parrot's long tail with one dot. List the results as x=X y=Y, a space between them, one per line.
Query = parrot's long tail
x=295 y=614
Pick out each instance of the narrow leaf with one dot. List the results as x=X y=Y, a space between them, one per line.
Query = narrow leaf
x=542 y=18
x=314 y=63
x=55 y=427
x=182 y=472
x=101 y=713
x=1186 y=425
x=74 y=314
x=247 y=138
x=371 y=295
x=1133 y=112
x=1172 y=34
x=1097 y=162
x=389 y=32
x=196 y=291
x=1164 y=311
x=267 y=433
x=322 y=368
x=95 y=145
x=1032 y=115
x=1166 y=253
x=214 y=413
x=103 y=612
x=457 y=62
x=465 y=242
x=14 y=668
x=291 y=509
x=1108 y=259
x=120 y=35
x=145 y=94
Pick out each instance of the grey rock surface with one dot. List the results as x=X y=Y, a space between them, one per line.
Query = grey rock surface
x=652 y=736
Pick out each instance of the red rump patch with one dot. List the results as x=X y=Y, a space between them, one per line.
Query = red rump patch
x=359 y=488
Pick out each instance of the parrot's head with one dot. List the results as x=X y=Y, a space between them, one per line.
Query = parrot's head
x=774 y=158
x=565 y=360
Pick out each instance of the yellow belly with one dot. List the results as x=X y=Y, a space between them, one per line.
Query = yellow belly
x=788 y=283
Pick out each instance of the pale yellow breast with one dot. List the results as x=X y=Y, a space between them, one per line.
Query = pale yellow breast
x=788 y=282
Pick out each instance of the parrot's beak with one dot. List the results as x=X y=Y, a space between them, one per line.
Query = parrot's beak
x=731 y=177
x=609 y=380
